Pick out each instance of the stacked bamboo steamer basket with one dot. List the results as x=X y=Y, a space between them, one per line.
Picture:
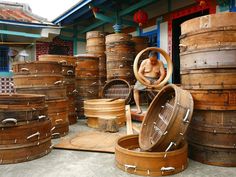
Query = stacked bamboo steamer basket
x=45 y=77
x=87 y=80
x=25 y=128
x=120 y=56
x=68 y=71
x=208 y=69
x=140 y=43
x=96 y=45
x=160 y=148
x=94 y=109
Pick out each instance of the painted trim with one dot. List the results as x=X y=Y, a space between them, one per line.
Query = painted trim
x=71 y=11
x=31 y=25
x=16 y=33
x=135 y=7
x=6 y=74
x=182 y=13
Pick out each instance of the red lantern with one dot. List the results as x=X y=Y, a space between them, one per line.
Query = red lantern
x=202 y=3
x=140 y=17
x=95 y=9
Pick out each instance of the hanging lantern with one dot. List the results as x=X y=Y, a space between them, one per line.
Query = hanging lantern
x=95 y=9
x=202 y=3
x=140 y=17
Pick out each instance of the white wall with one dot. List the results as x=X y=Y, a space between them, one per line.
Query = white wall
x=164 y=39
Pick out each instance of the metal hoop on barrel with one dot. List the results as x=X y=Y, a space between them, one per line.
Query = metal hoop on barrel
x=169 y=68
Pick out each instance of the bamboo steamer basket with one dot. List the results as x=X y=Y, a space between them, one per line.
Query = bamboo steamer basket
x=214 y=99
x=208 y=22
x=117 y=88
x=26 y=134
x=99 y=108
x=35 y=67
x=130 y=159
x=38 y=80
x=211 y=79
x=167 y=119
x=117 y=37
x=50 y=92
x=62 y=59
x=58 y=114
x=223 y=57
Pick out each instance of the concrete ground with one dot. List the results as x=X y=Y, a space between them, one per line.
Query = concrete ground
x=67 y=163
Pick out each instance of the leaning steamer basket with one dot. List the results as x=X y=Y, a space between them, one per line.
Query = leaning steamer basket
x=25 y=128
x=167 y=119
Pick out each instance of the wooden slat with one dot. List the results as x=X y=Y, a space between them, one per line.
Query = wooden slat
x=128 y=120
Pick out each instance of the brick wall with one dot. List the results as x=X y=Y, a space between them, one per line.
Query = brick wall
x=43 y=47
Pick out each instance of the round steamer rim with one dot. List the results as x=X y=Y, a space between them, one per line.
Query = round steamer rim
x=169 y=67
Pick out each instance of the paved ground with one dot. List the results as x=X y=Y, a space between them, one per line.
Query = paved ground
x=66 y=163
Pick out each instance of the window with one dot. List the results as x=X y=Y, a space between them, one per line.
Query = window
x=4 y=59
x=152 y=36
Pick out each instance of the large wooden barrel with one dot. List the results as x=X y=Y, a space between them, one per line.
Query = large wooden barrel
x=28 y=78
x=211 y=79
x=208 y=70
x=25 y=128
x=140 y=43
x=167 y=119
x=117 y=88
x=131 y=159
x=99 y=108
x=212 y=137
x=95 y=44
x=120 y=55
x=68 y=71
x=34 y=67
x=58 y=113
x=62 y=59
x=87 y=80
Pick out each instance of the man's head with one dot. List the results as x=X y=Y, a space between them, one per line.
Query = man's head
x=153 y=57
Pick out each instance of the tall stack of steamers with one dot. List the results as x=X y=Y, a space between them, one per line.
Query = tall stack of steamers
x=208 y=71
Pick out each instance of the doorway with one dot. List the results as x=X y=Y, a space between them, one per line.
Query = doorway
x=176 y=32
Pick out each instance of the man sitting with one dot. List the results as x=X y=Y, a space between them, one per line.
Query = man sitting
x=152 y=72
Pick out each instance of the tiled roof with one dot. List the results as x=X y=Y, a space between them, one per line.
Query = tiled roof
x=19 y=12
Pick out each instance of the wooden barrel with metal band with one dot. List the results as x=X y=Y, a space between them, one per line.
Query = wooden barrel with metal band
x=50 y=92
x=58 y=114
x=98 y=108
x=209 y=79
x=207 y=58
x=62 y=59
x=167 y=119
x=210 y=38
x=214 y=99
x=25 y=128
x=117 y=45
x=212 y=137
x=35 y=67
x=87 y=80
x=223 y=57
x=130 y=159
x=95 y=42
x=118 y=37
x=117 y=88
x=37 y=80
x=68 y=71
x=208 y=21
